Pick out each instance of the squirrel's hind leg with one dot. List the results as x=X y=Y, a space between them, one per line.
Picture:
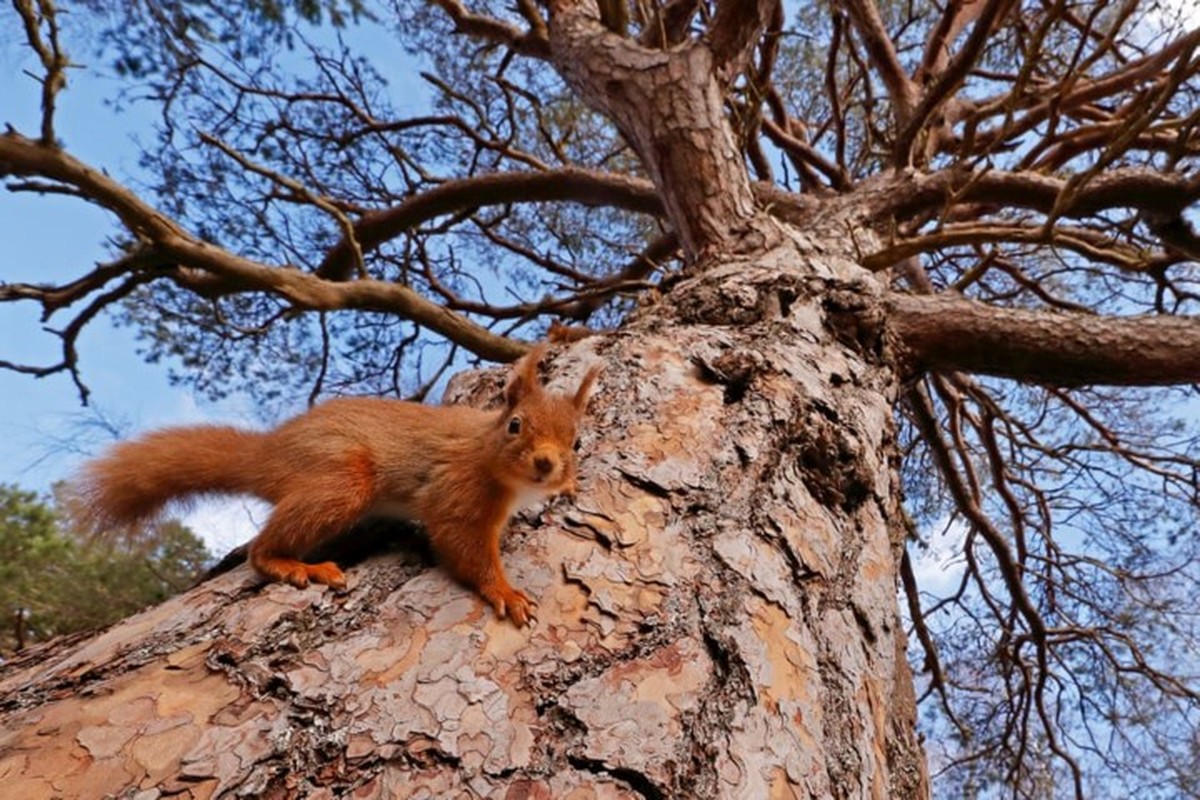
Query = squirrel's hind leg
x=298 y=573
x=302 y=520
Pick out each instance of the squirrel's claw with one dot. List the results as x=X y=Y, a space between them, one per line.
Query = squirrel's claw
x=513 y=604
x=297 y=579
x=327 y=573
x=299 y=574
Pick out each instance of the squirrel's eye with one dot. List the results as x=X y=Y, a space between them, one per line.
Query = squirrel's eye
x=578 y=444
x=514 y=426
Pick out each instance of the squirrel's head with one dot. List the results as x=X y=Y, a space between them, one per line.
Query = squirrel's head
x=538 y=429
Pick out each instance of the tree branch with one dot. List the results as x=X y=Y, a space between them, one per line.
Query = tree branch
x=22 y=156
x=1057 y=99
x=950 y=79
x=670 y=107
x=907 y=194
x=572 y=184
x=529 y=43
x=734 y=31
x=955 y=17
x=945 y=332
x=864 y=14
x=1091 y=244
x=54 y=60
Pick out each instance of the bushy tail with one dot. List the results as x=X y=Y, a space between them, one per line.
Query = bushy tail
x=135 y=479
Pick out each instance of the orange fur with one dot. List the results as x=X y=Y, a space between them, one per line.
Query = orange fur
x=136 y=479
x=461 y=471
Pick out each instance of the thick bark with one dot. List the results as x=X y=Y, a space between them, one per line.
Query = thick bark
x=669 y=105
x=718 y=613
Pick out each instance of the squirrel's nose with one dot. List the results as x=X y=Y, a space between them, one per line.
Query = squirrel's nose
x=543 y=465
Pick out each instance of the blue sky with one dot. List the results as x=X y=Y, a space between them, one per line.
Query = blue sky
x=43 y=435
x=51 y=238
x=48 y=239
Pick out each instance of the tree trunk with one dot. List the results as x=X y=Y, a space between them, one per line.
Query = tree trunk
x=718 y=612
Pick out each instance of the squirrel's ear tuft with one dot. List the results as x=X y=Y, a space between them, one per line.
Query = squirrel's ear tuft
x=524 y=378
x=585 y=388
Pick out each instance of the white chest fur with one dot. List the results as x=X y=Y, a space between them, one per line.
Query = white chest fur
x=529 y=496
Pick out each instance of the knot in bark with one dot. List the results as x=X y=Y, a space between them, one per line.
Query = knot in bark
x=736 y=295
x=856 y=314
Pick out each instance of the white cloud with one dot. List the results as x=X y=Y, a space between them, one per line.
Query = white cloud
x=939 y=566
x=183 y=408
x=225 y=523
x=1184 y=11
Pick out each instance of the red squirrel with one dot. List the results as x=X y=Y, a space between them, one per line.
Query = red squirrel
x=460 y=471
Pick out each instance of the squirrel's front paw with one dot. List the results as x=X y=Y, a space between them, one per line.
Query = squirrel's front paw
x=511 y=603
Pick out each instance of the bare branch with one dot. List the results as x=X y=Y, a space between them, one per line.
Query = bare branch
x=955 y=17
x=529 y=43
x=1088 y=243
x=1038 y=106
x=54 y=60
x=944 y=332
x=804 y=152
x=294 y=186
x=21 y=156
x=734 y=32
x=882 y=51
x=950 y=79
x=906 y=195
x=582 y=186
